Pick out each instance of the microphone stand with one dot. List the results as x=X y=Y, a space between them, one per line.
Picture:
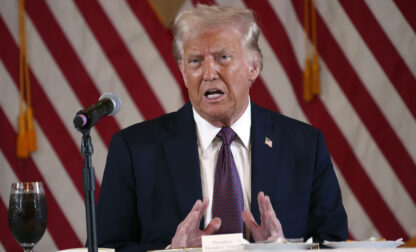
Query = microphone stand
x=108 y=104
x=88 y=178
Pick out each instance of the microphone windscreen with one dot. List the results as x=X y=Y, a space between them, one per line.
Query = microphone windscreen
x=114 y=99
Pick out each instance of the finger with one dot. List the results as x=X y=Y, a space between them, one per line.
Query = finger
x=267 y=204
x=191 y=221
x=276 y=231
x=267 y=209
x=270 y=221
x=213 y=226
x=260 y=199
x=256 y=231
x=203 y=207
x=269 y=215
x=263 y=201
x=249 y=220
x=196 y=206
x=183 y=231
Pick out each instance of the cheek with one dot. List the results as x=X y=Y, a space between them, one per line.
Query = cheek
x=234 y=69
x=195 y=74
x=238 y=75
x=193 y=80
x=239 y=79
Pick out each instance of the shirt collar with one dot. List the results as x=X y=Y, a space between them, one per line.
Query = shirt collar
x=207 y=132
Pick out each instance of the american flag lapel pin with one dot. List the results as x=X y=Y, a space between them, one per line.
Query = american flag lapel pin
x=268 y=142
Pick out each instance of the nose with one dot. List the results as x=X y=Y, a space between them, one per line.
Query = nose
x=210 y=69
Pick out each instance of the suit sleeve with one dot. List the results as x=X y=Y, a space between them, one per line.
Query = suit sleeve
x=118 y=224
x=327 y=217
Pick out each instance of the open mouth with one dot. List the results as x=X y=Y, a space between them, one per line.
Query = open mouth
x=213 y=94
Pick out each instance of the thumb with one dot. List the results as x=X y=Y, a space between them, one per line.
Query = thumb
x=213 y=226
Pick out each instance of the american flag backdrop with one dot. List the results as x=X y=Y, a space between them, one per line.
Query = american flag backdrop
x=82 y=48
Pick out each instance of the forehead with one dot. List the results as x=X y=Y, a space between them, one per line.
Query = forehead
x=213 y=39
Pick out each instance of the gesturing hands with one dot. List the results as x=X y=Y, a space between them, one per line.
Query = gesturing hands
x=188 y=233
x=270 y=227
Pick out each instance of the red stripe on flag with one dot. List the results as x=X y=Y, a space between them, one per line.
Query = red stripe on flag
x=261 y=95
x=6 y=237
x=374 y=120
x=319 y=116
x=370 y=114
x=377 y=41
x=44 y=112
x=26 y=170
x=160 y=37
x=69 y=63
x=123 y=61
x=350 y=236
x=358 y=180
x=408 y=7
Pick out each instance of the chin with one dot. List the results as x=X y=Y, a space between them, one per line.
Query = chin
x=215 y=111
x=219 y=119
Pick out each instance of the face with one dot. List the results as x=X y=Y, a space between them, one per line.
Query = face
x=218 y=75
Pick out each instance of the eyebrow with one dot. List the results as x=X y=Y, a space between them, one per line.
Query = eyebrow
x=224 y=50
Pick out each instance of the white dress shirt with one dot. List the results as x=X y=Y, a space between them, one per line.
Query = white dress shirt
x=208 y=149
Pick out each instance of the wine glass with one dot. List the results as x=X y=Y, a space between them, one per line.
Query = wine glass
x=27 y=213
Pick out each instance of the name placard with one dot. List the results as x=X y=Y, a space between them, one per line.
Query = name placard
x=223 y=242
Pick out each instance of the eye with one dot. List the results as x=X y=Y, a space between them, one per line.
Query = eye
x=194 y=62
x=223 y=58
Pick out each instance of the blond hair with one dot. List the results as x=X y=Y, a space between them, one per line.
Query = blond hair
x=194 y=21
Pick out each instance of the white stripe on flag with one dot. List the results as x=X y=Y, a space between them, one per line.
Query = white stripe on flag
x=334 y=100
x=370 y=73
x=149 y=60
x=94 y=59
x=186 y=5
x=49 y=166
x=354 y=130
x=367 y=151
x=285 y=12
x=360 y=226
x=2 y=248
x=56 y=87
x=278 y=83
x=397 y=29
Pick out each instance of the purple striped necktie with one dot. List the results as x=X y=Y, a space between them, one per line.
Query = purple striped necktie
x=228 y=203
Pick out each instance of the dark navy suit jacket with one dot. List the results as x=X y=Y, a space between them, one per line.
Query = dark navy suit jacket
x=152 y=179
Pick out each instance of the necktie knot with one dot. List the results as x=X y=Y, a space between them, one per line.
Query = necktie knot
x=227 y=135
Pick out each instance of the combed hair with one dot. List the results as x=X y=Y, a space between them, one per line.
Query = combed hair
x=194 y=21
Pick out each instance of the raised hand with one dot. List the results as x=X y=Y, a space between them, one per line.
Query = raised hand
x=188 y=233
x=270 y=227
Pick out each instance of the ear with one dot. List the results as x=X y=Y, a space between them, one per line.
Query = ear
x=254 y=72
x=182 y=68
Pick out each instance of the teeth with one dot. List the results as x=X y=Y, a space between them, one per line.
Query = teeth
x=213 y=96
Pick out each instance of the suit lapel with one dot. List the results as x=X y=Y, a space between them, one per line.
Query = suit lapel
x=264 y=158
x=183 y=161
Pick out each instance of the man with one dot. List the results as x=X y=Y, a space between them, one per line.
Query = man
x=273 y=177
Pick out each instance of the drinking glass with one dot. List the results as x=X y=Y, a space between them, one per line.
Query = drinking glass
x=27 y=213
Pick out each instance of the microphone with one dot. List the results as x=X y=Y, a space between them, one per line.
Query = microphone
x=108 y=104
